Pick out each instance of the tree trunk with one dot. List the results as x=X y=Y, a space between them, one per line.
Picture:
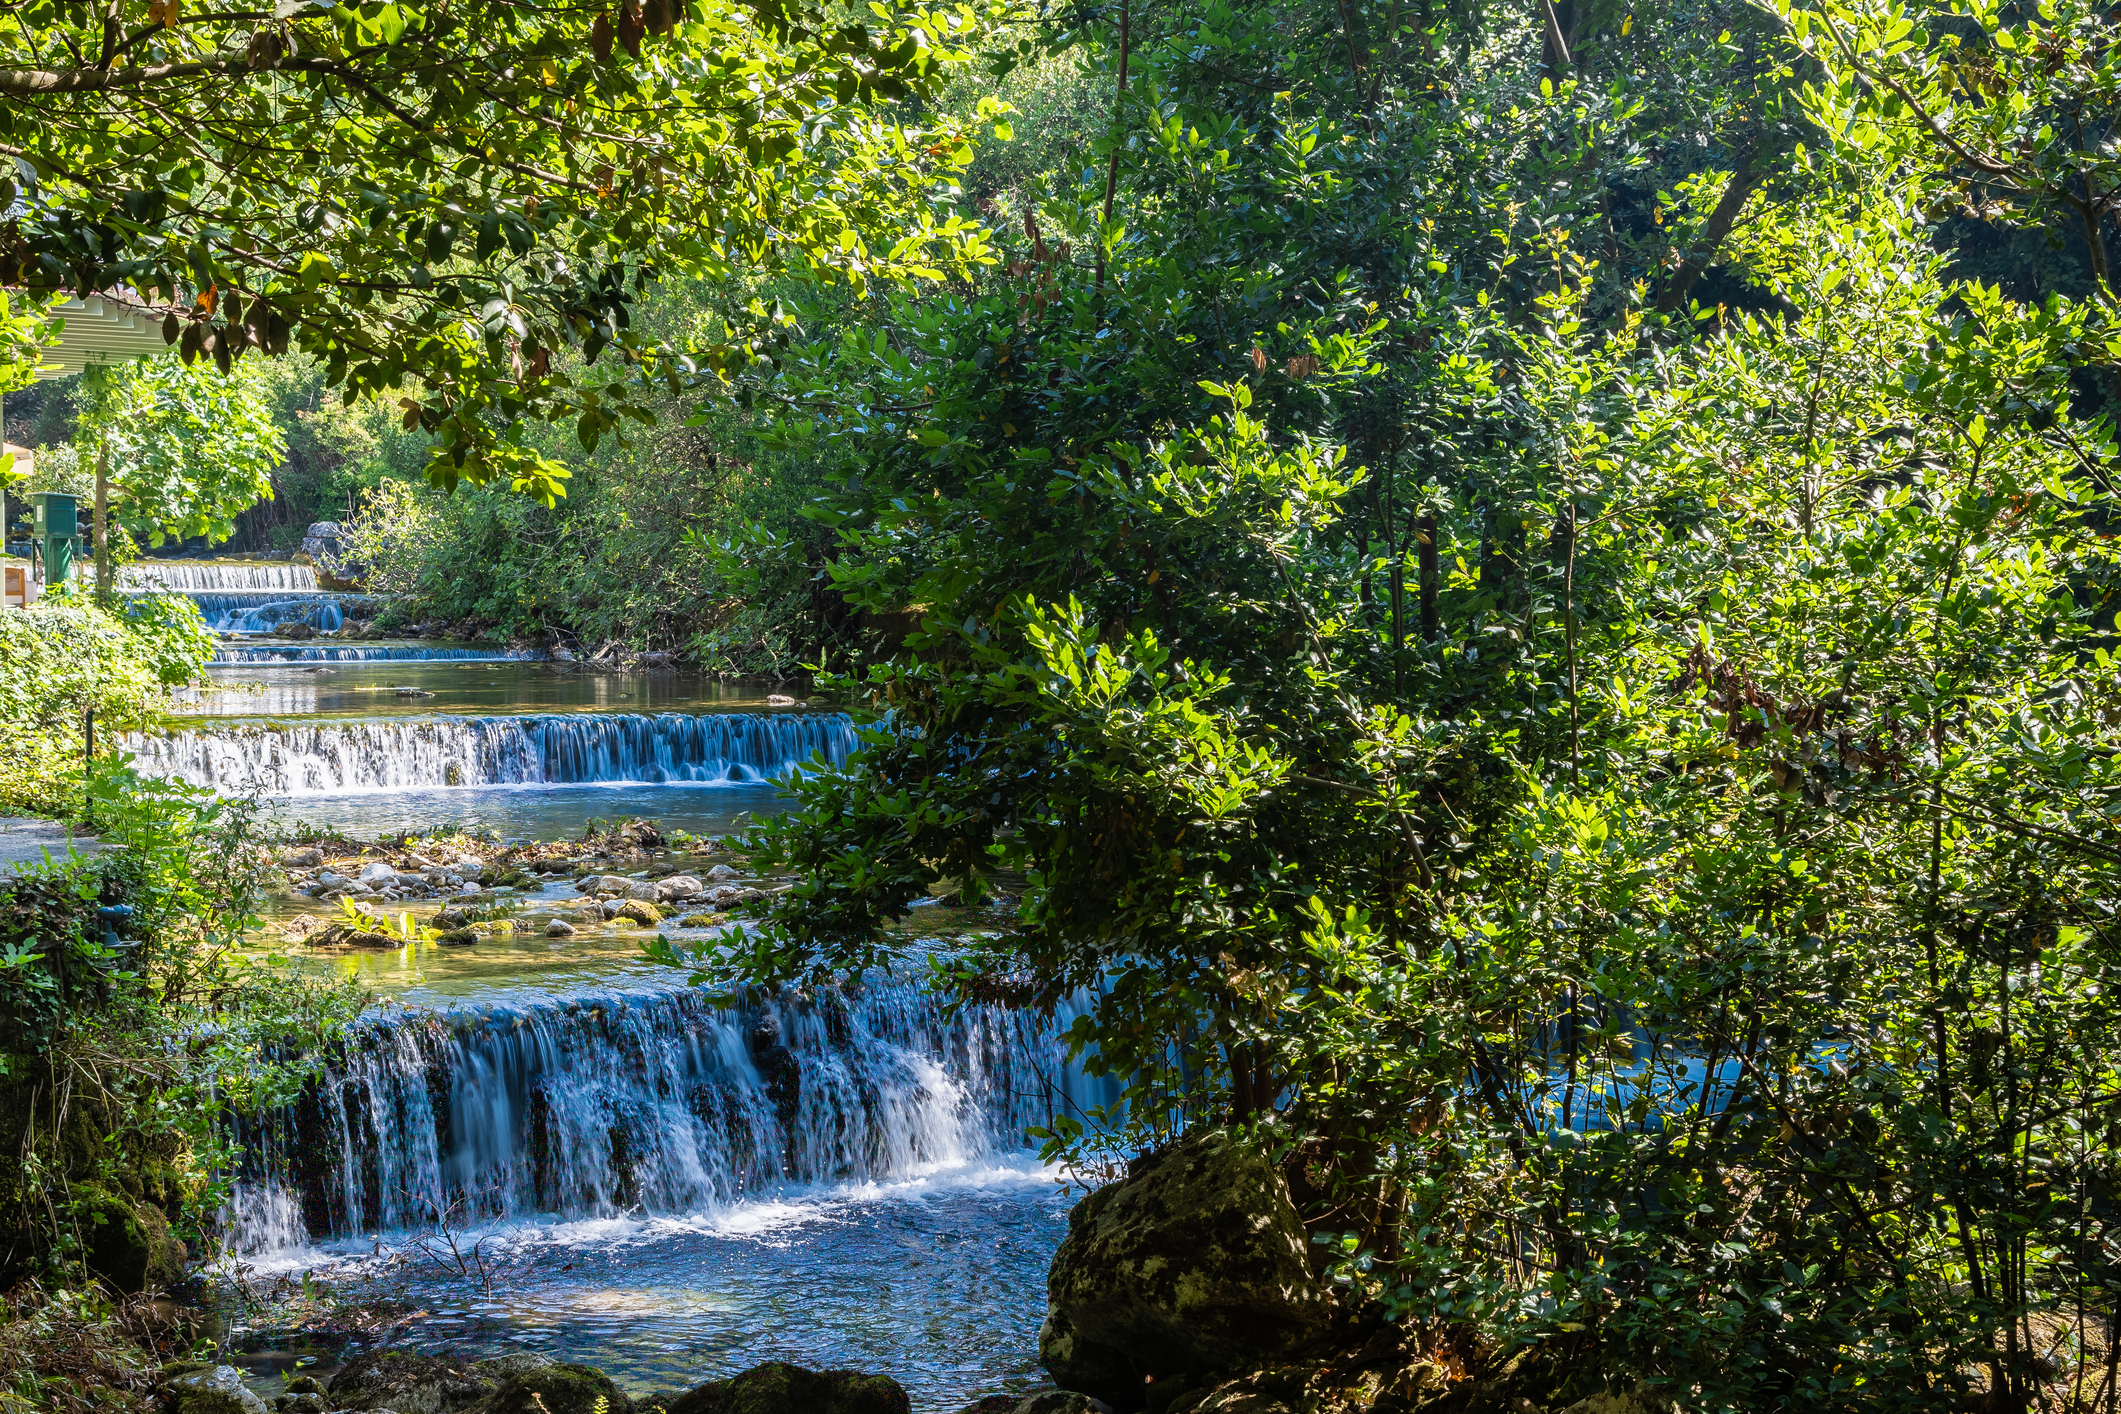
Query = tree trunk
x=1744 y=182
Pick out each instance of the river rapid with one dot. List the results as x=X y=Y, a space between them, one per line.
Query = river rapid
x=555 y=1144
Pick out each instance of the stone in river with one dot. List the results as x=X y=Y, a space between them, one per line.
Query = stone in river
x=420 y=861
x=644 y=889
x=1063 y=1401
x=400 y=1380
x=640 y=911
x=377 y=873
x=677 y=886
x=780 y=1388
x=302 y=858
x=721 y=871
x=1196 y=1261
x=332 y=879
x=457 y=937
x=216 y=1391
x=559 y=928
x=558 y=1389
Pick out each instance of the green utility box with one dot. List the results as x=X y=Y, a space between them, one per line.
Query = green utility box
x=58 y=521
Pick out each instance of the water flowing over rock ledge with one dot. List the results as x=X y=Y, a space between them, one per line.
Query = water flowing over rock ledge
x=655 y=1102
x=526 y=750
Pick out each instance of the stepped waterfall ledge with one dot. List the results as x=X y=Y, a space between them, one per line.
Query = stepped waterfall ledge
x=670 y=748
x=658 y=1102
x=188 y=577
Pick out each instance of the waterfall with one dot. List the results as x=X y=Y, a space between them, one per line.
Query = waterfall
x=382 y=653
x=379 y=755
x=264 y=612
x=193 y=576
x=600 y=1104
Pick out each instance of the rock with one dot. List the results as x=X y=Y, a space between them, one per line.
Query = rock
x=332 y=879
x=408 y=1384
x=301 y=925
x=128 y=1244
x=304 y=1384
x=452 y=918
x=298 y=629
x=993 y=1404
x=420 y=862
x=1196 y=1261
x=469 y=864
x=302 y=1404
x=702 y=920
x=559 y=928
x=215 y=1391
x=640 y=911
x=642 y=889
x=302 y=859
x=721 y=871
x=1062 y=1401
x=456 y=937
x=780 y=1388
x=677 y=886
x=377 y=873
x=411 y=692
x=557 y=1389
x=346 y=935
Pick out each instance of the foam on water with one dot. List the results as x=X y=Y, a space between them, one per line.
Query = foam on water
x=384 y=755
x=192 y=576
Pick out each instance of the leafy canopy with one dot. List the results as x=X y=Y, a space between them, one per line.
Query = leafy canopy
x=462 y=201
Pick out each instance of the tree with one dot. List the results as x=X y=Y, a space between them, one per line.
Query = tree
x=1680 y=937
x=186 y=448
x=455 y=202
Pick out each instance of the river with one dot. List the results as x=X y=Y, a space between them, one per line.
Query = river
x=556 y=1144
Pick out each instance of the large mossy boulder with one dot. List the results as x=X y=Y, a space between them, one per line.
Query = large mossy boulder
x=1196 y=1261
x=780 y=1388
x=406 y=1383
x=128 y=1244
x=557 y=1389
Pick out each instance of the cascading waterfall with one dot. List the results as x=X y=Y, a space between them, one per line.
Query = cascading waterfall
x=263 y=612
x=209 y=576
x=329 y=757
x=663 y=1102
x=380 y=653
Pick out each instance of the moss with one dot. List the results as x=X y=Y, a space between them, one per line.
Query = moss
x=780 y=1388
x=126 y=1243
x=639 y=911
x=558 y=1389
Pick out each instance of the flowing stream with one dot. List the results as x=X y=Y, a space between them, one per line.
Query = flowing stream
x=556 y=1144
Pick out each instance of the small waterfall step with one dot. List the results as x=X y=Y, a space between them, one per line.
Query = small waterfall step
x=553 y=749
x=599 y=1104
x=217 y=576
x=262 y=611
x=374 y=653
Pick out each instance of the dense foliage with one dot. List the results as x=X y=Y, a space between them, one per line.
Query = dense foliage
x=1623 y=794
x=466 y=196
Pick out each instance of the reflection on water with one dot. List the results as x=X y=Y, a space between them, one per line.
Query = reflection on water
x=538 y=812
x=372 y=690
x=938 y=1282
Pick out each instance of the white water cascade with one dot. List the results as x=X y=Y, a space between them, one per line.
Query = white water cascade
x=602 y=1104
x=383 y=755
x=214 y=576
x=261 y=612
